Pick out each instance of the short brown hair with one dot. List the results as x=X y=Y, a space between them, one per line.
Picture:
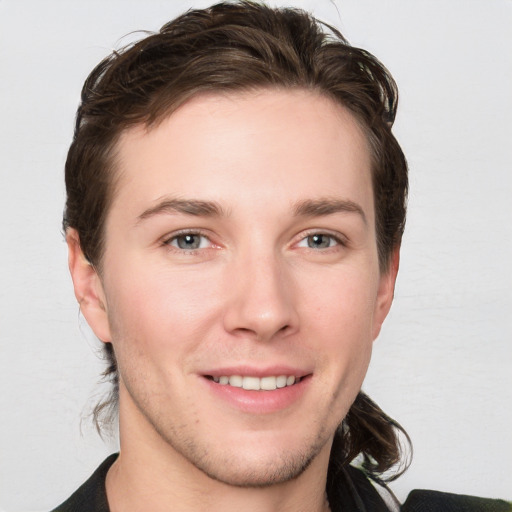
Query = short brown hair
x=240 y=46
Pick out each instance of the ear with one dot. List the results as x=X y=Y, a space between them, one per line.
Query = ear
x=88 y=288
x=385 y=292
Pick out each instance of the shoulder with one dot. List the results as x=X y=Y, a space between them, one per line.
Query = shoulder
x=357 y=492
x=435 y=501
x=91 y=496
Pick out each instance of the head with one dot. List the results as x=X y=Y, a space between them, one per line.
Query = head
x=202 y=60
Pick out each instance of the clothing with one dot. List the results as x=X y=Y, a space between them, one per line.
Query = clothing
x=354 y=494
x=92 y=495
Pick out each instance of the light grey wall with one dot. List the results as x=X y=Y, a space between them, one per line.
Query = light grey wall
x=442 y=365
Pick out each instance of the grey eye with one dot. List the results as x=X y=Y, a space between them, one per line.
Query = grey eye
x=319 y=241
x=188 y=242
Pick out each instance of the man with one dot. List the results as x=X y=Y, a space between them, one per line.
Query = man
x=236 y=202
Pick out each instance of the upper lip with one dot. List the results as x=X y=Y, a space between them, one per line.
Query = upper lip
x=252 y=371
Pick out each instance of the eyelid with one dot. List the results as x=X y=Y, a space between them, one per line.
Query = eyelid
x=339 y=238
x=336 y=235
x=170 y=237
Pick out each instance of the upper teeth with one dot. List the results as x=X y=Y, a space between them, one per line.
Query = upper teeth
x=255 y=383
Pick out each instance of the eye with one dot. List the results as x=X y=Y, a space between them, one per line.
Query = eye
x=189 y=241
x=319 y=241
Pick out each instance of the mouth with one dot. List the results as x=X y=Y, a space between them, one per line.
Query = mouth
x=257 y=391
x=252 y=383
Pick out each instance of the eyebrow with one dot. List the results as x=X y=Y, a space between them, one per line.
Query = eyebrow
x=198 y=208
x=327 y=206
x=184 y=206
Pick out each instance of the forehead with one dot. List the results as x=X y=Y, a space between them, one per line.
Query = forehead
x=282 y=146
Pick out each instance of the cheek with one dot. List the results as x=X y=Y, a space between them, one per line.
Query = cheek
x=340 y=324
x=160 y=310
x=343 y=302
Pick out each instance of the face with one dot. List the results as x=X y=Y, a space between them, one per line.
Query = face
x=240 y=284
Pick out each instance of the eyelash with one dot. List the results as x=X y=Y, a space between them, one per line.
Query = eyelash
x=175 y=236
x=339 y=241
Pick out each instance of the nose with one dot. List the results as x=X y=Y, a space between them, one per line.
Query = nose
x=261 y=303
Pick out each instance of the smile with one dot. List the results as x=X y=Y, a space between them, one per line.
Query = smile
x=249 y=383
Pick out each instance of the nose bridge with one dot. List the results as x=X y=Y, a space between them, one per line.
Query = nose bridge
x=261 y=298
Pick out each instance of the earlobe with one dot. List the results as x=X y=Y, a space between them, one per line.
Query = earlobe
x=88 y=288
x=386 y=292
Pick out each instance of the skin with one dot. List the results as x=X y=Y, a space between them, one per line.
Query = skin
x=285 y=274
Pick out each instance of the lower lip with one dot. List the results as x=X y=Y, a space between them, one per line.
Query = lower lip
x=259 y=402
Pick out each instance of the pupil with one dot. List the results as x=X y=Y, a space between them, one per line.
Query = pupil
x=188 y=242
x=317 y=241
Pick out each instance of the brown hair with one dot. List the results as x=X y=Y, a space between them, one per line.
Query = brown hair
x=240 y=46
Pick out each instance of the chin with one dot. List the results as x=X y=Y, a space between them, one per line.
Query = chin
x=256 y=474
x=251 y=462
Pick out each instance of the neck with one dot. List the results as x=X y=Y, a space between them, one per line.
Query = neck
x=150 y=475
x=137 y=491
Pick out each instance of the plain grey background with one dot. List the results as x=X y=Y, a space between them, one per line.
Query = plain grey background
x=442 y=365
